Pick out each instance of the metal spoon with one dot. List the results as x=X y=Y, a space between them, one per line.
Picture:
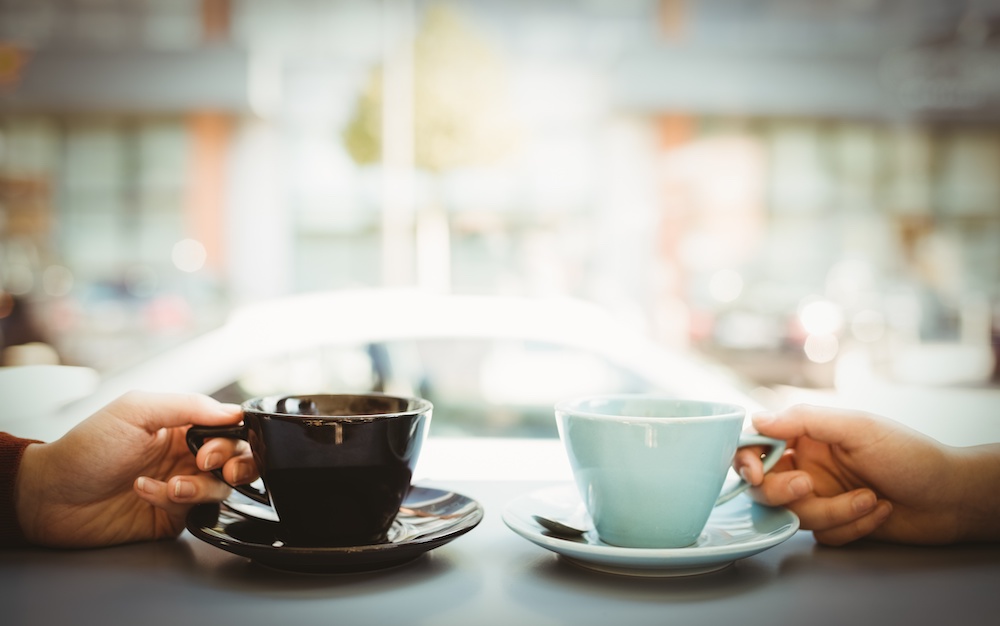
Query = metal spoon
x=560 y=529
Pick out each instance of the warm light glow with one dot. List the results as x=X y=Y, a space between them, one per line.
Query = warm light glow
x=19 y=279
x=726 y=285
x=189 y=255
x=57 y=280
x=820 y=317
x=868 y=325
x=821 y=348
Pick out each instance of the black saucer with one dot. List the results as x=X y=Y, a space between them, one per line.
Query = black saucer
x=427 y=519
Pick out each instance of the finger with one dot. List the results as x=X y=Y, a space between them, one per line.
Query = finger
x=153 y=411
x=217 y=451
x=825 y=424
x=782 y=488
x=196 y=489
x=179 y=492
x=820 y=514
x=155 y=492
x=240 y=471
x=749 y=465
x=754 y=465
x=858 y=529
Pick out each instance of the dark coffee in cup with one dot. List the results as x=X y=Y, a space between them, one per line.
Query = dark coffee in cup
x=335 y=468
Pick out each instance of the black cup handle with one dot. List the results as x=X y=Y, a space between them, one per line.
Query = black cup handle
x=196 y=436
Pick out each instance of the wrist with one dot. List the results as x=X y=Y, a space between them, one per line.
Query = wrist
x=29 y=490
x=12 y=450
x=977 y=510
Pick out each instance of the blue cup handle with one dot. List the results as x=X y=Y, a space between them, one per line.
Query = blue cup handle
x=777 y=448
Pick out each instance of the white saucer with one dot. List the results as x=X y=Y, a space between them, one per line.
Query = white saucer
x=736 y=530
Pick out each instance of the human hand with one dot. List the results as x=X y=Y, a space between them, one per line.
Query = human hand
x=849 y=475
x=126 y=474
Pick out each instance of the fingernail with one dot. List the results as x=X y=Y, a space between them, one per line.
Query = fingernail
x=183 y=489
x=145 y=485
x=863 y=502
x=745 y=473
x=884 y=511
x=241 y=475
x=211 y=461
x=799 y=486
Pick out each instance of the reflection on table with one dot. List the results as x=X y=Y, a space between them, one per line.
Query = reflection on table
x=493 y=576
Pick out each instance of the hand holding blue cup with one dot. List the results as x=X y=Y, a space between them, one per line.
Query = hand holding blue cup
x=650 y=469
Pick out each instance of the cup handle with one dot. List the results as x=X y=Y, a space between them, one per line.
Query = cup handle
x=196 y=436
x=777 y=448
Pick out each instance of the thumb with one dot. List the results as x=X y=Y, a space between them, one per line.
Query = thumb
x=153 y=411
x=824 y=424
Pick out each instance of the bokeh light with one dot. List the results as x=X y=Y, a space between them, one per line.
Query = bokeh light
x=189 y=255
x=820 y=317
x=821 y=348
x=726 y=285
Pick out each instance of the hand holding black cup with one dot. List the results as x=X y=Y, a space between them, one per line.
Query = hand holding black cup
x=335 y=467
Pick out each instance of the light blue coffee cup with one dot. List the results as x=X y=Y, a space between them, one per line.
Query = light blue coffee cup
x=650 y=469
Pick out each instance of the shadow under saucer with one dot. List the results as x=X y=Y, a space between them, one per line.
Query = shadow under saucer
x=736 y=530
x=428 y=518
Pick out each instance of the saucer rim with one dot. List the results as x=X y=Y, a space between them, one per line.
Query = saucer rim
x=331 y=559
x=604 y=557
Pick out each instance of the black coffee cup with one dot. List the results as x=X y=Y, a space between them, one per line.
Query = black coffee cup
x=335 y=467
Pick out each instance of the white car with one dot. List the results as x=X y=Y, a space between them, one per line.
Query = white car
x=491 y=365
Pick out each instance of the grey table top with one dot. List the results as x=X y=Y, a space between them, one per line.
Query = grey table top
x=493 y=576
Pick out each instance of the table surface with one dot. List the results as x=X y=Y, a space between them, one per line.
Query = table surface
x=493 y=576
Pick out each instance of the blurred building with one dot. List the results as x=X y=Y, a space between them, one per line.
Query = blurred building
x=777 y=183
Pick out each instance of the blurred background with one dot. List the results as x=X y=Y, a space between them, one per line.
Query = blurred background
x=806 y=192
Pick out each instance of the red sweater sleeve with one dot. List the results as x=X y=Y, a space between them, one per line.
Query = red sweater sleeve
x=11 y=449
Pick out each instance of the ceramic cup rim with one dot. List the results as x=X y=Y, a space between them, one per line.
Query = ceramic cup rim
x=572 y=408
x=256 y=406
